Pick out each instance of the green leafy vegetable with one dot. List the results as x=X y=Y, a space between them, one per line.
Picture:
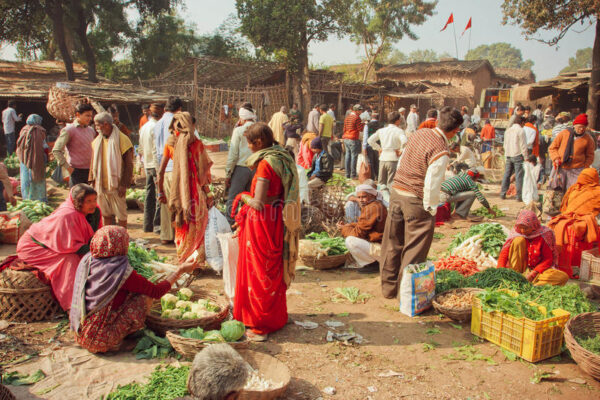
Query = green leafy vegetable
x=483 y=212
x=17 y=379
x=517 y=306
x=151 y=346
x=166 y=383
x=139 y=258
x=495 y=278
x=232 y=331
x=469 y=353
x=492 y=234
x=214 y=336
x=334 y=245
x=590 y=343
x=447 y=279
x=192 y=333
x=136 y=194
x=352 y=294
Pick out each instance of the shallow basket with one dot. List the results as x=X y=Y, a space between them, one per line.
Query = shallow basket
x=590 y=265
x=457 y=314
x=324 y=262
x=162 y=325
x=24 y=298
x=270 y=368
x=5 y=394
x=586 y=324
x=188 y=347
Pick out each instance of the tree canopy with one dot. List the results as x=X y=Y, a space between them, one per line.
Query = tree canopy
x=582 y=60
x=500 y=55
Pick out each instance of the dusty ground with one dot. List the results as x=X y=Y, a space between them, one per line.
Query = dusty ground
x=423 y=362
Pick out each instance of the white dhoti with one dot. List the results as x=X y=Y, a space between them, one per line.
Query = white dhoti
x=363 y=252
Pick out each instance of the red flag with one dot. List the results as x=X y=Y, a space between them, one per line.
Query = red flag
x=467 y=27
x=450 y=21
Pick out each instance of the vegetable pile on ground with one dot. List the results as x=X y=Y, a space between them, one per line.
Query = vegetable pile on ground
x=180 y=306
x=231 y=331
x=462 y=265
x=590 y=343
x=456 y=300
x=483 y=212
x=327 y=245
x=497 y=278
x=491 y=234
x=340 y=180
x=50 y=167
x=146 y=262
x=446 y=279
x=151 y=346
x=12 y=161
x=17 y=379
x=510 y=303
x=166 y=383
x=136 y=194
x=35 y=210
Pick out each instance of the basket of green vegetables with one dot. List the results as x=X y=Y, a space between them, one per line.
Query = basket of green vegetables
x=13 y=165
x=321 y=251
x=188 y=342
x=135 y=198
x=582 y=337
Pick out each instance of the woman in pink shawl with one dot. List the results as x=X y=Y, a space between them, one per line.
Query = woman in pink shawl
x=55 y=245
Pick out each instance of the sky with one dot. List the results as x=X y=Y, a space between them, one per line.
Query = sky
x=487 y=28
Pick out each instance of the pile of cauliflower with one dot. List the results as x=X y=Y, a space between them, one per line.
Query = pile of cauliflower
x=180 y=306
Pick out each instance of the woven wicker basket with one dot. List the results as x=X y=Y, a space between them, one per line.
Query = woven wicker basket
x=325 y=262
x=5 y=394
x=457 y=314
x=269 y=368
x=586 y=324
x=24 y=298
x=161 y=325
x=13 y=171
x=189 y=347
x=61 y=105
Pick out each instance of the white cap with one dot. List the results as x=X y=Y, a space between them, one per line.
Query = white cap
x=401 y=110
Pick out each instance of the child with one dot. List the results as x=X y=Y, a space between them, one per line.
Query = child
x=531 y=178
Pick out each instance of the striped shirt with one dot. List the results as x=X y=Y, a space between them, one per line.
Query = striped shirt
x=353 y=126
x=464 y=183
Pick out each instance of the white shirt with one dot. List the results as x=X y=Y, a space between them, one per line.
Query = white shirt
x=332 y=114
x=530 y=135
x=466 y=156
x=412 y=122
x=365 y=116
x=238 y=150
x=596 y=163
x=392 y=139
x=514 y=142
x=9 y=117
x=147 y=147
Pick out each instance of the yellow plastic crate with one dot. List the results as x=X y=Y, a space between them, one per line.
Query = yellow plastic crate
x=530 y=340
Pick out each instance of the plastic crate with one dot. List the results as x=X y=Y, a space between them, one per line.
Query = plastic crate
x=590 y=265
x=530 y=340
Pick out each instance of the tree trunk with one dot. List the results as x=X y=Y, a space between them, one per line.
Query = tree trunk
x=55 y=12
x=81 y=31
x=303 y=77
x=594 y=85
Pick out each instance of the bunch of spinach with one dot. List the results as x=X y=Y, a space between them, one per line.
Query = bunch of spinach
x=334 y=245
x=166 y=383
x=151 y=346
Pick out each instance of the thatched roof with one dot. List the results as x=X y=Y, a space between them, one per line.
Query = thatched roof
x=567 y=82
x=452 y=66
x=518 y=75
x=427 y=88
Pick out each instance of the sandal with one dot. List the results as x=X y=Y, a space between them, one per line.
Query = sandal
x=255 y=337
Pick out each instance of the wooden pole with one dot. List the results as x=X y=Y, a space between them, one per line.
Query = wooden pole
x=195 y=89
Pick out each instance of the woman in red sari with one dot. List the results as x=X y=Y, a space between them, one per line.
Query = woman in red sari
x=54 y=246
x=189 y=200
x=268 y=225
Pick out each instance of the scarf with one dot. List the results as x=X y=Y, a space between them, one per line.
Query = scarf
x=100 y=274
x=114 y=158
x=529 y=219
x=285 y=167
x=568 y=156
x=583 y=197
x=30 y=150
x=182 y=136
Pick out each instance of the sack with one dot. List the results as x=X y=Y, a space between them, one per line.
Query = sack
x=556 y=180
x=552 y=202
x=12 y=226
x=417 y=288
x=302 y=184
x=230 y=248
x=364 y=168
x=217 y=223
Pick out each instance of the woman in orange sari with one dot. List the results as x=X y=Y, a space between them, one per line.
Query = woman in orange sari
x=268 y=225
x=190 y=192
x=576 y=225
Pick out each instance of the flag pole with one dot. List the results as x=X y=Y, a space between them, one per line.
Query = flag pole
x=470 y=29
x=455 y=42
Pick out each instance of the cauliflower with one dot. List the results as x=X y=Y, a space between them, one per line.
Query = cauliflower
x=196 y=308
x=188 y=315
x=208 y=306
x=167 y=302
x=183 y=305
x=184 y=294
x=173 y=314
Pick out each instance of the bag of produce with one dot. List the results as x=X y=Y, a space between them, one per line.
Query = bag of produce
x=417 y=288
x=217 y=223
x=229 y=246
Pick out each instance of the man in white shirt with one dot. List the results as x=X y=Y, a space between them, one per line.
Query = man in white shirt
x=392 y=140
x=9 y=117
x=402 y=112
x=414 y=199
x=465 y=155
x=238 y=175
x=412 y=121
x=515 y=151
x=147 y=150
x=313 y=120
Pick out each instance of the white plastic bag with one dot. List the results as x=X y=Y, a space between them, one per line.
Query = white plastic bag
x=417 y=289
x=530 y=190
x=230 y=248
x=302 y=184
x=217 y=223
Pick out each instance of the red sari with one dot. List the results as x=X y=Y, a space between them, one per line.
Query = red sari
x=260 y=301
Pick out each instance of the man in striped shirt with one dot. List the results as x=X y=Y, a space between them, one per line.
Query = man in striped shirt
x=462 y=189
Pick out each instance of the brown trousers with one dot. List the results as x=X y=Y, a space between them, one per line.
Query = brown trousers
x=406 y=239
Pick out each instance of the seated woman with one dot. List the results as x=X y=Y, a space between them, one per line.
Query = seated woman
x=576 y=225
x=54 y=246
x=110 y=299
x=530 y=250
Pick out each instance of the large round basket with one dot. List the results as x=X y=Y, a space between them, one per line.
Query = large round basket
x=269 y=368
x=13 y=171
x=324 y=262
x=24 y=298
x=161 y=325
x=457 y=314
x=5 y=394
x=189 y=347
x=584 y=325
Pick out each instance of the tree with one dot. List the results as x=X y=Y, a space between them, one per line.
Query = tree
x=582 y=60
x=286 y=28
x=559 y=16
x=427 y=55
x=376 y=24
x=500 y=55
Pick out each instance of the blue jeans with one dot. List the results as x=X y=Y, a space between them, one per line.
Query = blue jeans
x=513 y=164
x=353 y=148
x=11 y=143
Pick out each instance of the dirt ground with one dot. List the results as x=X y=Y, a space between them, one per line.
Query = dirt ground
x=401 y=357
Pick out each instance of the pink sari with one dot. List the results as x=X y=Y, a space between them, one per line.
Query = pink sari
x=62 y=233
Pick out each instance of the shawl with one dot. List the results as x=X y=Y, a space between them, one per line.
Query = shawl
x=583 y=226
x=568 y=156
x=100 y=274
x=64 y=231
x=583 y=197
x=285 y=167
x=182 y=136
x=114 y=158
x=30 y=150
x=529 y=219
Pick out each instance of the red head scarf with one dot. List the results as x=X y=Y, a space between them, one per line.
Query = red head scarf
x=529 y=219
x=110 y=241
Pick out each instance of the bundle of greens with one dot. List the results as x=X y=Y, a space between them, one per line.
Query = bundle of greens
x=340 y=180
x=35 y=210
x=136 y=194
x=334 y=245
x=12 y=161
x=166 y=383
x=141 y=259
x=591 y=343
x=151 y=346
x=509 y=303
x=17 y=379
x=447 y=280
x=492 y=235
x=483 y=212
x=569 y=297
x=498 y=278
